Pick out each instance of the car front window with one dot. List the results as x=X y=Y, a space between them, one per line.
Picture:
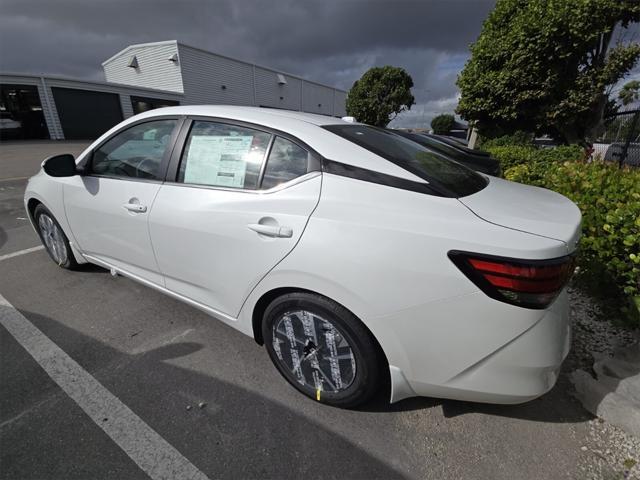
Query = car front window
x=136 y=152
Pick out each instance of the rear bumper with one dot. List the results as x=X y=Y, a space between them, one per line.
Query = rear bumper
x=517 y=371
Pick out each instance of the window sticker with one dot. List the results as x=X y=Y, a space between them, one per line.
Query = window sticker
x=217 y=160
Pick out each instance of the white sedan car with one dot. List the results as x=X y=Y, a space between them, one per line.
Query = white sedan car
x=353 y=254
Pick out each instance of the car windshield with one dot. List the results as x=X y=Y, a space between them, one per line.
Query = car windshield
x=447 y=177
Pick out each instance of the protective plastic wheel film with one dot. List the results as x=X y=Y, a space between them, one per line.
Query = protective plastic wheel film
x=314 y=351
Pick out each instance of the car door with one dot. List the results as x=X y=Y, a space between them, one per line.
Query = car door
x=108 y=206
x=239 y=205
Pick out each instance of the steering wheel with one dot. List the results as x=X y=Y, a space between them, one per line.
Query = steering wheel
x=140 y=172
x=121 y=169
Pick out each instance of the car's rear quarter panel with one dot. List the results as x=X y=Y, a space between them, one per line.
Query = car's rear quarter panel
x=382 y=253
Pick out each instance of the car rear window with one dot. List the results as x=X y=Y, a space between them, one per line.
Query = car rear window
x=447 y=177
x=428 y=143
x=441 y=139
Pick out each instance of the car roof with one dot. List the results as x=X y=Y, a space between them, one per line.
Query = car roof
x=304 y=126
x=245 y=113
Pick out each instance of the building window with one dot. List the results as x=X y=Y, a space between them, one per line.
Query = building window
x=21 y=114
x=143 y=104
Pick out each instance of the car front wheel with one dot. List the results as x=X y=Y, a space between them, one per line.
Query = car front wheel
x=53 y=238
x=322 y=349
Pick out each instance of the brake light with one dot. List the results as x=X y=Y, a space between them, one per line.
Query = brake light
x=526 y=283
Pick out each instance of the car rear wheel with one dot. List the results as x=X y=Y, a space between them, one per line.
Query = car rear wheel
x=322 y=349
x=53 y=238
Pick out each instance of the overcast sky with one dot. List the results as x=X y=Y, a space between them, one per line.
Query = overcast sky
x=330 y=41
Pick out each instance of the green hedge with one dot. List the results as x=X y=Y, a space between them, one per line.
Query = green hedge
x=517 y=138
x=512 y=155
x=609 y=198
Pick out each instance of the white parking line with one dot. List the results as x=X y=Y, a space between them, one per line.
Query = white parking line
x=21 y=252
x=11 y=179
x=153 y=454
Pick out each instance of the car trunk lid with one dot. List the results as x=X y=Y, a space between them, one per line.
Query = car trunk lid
x=529 y=209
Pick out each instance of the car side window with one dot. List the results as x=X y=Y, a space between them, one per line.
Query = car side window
x=136 y=152
x=286 y=162
x=223 y=155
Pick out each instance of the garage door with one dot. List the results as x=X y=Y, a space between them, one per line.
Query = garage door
x=84 y=114
x=21 y=113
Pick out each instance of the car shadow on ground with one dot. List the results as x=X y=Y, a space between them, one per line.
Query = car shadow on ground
x=238 y=434
x=556 y=406
x=91 y=268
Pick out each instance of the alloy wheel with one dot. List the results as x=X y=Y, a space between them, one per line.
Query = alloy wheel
x=314 y=351
x=53 y=238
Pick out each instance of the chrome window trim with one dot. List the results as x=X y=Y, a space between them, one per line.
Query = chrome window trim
x=277 y=188
x=126 y=179
x=265 y=160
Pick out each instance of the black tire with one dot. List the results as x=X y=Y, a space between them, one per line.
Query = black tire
x=361 y=351
x=53 y=238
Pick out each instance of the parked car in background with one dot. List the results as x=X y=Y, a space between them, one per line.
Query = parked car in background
x=353 y=254
x=9 y=127
x=613 y=152
x=474 y=159
x=453 y=141
x=545 y=142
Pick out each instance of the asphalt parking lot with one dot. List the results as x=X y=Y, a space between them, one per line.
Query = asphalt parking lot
x=210 y=395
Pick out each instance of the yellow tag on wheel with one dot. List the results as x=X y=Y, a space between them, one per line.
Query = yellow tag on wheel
x=318 y=394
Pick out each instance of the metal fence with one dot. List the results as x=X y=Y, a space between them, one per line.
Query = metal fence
x=620 y=141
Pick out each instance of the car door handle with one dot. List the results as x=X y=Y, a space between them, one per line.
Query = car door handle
x=135 y=207
x=271 y=230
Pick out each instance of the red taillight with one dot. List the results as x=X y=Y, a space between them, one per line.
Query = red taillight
x=526 y=283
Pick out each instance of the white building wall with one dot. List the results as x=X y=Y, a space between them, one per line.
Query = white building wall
x=196 y=78
x=126 y=106
x=209 y=78
x=154 y=70
x=317 y=99
x=53 y=119
x=269 y=93
x=204 y=75
x=339 y=103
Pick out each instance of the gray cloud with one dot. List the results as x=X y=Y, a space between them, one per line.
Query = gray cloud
x=329 y=41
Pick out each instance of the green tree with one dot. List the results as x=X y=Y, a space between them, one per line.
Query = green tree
x=545 y=66
x=380 y=95
x=443 y=123
x=630 y=92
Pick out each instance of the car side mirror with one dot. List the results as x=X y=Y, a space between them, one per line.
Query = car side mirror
x=60 y=165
